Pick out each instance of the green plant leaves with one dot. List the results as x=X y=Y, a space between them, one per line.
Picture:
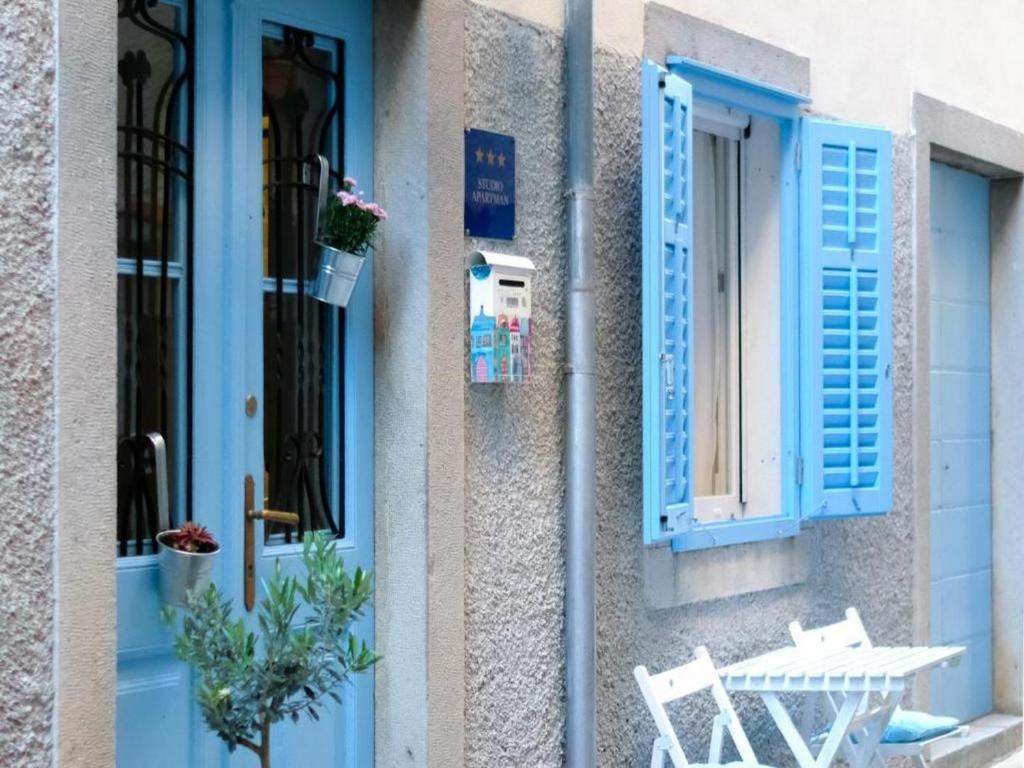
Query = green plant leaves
x=347 y=227
x=248 y=679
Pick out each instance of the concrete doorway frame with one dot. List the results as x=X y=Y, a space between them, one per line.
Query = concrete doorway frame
x=961 y=139
x=419 y=528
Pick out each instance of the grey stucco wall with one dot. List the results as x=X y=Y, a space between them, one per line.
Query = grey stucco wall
x=514 y=520
x=27 y=350
x=514 y=478
x=57 y=155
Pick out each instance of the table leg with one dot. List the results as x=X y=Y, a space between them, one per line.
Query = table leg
x=796 y=742
x=788 y=729
x=840 y=728
x=863 y=754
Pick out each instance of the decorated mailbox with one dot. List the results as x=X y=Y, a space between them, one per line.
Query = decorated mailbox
x=500 y=303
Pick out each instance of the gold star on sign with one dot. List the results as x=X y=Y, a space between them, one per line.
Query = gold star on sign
x=479 y=155
x=501 y=160
x=490 y=157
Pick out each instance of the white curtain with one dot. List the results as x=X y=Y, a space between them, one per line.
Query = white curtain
x=710 y=314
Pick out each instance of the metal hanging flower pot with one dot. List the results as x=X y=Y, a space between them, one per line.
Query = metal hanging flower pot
x=336 y=276
x=182 y=571
x=338 y=270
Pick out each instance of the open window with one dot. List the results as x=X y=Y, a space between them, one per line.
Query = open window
x=745 y=315
x=736 y=315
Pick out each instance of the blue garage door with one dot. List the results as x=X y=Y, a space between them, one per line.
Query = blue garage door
x=961 y=488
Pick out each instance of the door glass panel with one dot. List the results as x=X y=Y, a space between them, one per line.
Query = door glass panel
x=154 y=242
x=302 y=338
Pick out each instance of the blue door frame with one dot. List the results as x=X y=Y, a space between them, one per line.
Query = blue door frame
x=157 y=720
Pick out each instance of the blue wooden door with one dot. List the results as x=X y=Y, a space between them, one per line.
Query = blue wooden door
x=263 y=380
x=961 y=515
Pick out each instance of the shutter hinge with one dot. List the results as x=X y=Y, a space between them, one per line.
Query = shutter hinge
x=799 y=470
x=798 y=158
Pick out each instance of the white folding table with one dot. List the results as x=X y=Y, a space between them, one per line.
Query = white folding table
x=849 y=676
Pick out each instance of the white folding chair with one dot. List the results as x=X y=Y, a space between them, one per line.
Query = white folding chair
x=850 y=633
x=694 y=677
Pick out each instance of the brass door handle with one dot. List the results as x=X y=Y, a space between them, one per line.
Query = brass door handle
x=251 y=516
x=274 y=516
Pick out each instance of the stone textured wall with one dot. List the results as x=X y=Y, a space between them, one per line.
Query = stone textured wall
x=514 y=447
x=514 y=457
x=27 y=345
x=514 y=478
x=86 y=385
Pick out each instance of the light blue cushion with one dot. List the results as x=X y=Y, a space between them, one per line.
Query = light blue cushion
x=908 y=726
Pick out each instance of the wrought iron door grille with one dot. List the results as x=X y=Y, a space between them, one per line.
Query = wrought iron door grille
x=155 y=134
x=303 y=340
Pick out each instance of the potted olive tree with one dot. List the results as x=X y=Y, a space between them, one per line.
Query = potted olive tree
x=186 y=559
x=248 y=681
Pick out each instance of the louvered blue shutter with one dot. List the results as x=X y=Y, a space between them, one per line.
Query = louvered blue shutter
x=846 y=319
x=667 y=354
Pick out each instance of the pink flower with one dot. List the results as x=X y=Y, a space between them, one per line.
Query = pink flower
x=347 y=198
x=348 y=182
x=379 y=213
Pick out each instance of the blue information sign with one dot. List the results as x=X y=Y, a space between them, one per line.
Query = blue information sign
x=490 y=185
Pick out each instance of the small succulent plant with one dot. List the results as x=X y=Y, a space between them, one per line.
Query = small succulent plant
x=191 y=538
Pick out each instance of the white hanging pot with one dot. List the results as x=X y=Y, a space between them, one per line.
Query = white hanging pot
x=183 y=572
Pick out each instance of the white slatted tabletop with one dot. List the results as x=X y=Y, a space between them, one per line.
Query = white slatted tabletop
x=850 y=678
x=847 y=669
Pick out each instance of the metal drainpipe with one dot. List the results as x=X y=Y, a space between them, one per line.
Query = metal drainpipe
x=580 y=631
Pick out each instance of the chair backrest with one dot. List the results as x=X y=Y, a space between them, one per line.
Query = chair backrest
x=848 y=633
x=686 y=680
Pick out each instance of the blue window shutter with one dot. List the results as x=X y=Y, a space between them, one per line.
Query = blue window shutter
x=667 y=353
x=846 y=319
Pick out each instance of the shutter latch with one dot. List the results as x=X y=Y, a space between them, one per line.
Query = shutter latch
x=799 y=470
x=668 y=364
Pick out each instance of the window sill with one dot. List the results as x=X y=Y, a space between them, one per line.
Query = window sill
x=675 y=579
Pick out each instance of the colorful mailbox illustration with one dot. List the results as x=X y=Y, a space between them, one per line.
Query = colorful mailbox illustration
x=500 y=303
